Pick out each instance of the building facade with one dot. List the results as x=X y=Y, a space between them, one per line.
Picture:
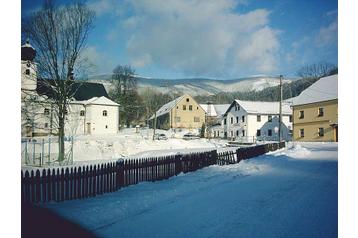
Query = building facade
x=182 y=112
x=89 y=111
x=315 y=112
x=250 y=121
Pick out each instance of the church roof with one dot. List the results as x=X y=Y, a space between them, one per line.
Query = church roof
x=27 y=52
x=81 y=90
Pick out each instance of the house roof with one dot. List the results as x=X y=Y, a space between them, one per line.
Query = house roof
x=82 y=90
x=167 y=107
x=324 y=89
x=256 y=107
x=100 y=101
x=215 y=109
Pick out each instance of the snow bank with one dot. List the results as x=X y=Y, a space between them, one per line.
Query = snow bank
x=274 y=195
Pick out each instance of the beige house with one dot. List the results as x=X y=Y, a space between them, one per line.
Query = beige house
x=182 y=112
x=315 y=111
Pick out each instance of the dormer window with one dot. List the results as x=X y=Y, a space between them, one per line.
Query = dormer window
x=104 y=113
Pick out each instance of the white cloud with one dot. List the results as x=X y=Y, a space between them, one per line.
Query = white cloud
x=327 y=35
x=200 y=37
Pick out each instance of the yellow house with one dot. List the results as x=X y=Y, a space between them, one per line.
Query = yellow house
x=182 y=112
x=315 y=111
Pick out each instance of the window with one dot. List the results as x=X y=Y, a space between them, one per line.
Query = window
x=237 y=107
x=197 y=108
x=258 y=118
x=66 y=112
x=258 y=133
x=320 y=131
x=243 y=118
x=225 y=121
x=187 y=99
x=190 y=107
x=82 y=113
x=270 y=118
x=302 y=115
x=290 y=118
x=46 y=111
x=106 y=126
x=177 y=107
x=196 y=119
x=27 y=72
x=320 y=112
x=46 y=125
x=243 y=133
x=231 y=120
x=269 y=132
x=184 y=107
x=237 y=119
x=28 y=64
x=302 y=133
x=237 y=133
x=104 y=113
x=177 y=119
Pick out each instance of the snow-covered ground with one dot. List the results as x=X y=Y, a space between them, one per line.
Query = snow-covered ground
x=130 y=144
x=292 y=192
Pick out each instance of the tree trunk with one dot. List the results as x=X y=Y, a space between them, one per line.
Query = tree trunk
x=61 y=137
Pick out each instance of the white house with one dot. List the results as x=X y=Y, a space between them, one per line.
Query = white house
x=214 y=115
x=249 y=121
x=89 y=112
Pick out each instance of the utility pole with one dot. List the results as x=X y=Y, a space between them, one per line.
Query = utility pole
x=155 y=124
x=280 y=117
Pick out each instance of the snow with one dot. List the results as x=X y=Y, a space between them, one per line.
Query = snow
x=264 y=107
x=101 y=101
x=324 y=89
x=292 y=192
x=127 y=143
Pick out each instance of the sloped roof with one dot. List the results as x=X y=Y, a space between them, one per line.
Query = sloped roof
x=210 y=107
x=168 y=106
x=215 y=109
x=256 y=107
x=82 y=90
x=101 y=101
x=324 y=89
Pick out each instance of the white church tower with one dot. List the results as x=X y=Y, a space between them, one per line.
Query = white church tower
x=28 y=70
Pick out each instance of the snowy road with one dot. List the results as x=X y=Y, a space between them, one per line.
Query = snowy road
x=288 y=193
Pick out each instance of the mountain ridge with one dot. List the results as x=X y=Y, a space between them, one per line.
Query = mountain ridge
x=198 y=85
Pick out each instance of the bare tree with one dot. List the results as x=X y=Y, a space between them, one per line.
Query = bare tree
x=124 y=92
x=317 y=70
x=59 y=35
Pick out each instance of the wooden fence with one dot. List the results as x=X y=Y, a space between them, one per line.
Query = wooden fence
x=89 y=181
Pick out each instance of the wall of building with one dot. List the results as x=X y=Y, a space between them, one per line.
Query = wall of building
x=187 y=116
x=102 y=124
x=312 y=122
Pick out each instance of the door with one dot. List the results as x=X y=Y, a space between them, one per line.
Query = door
x=88 y=128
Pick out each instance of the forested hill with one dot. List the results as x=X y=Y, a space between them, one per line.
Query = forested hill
x=291 y=89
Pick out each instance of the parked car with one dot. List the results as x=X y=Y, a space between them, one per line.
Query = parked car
x=160 y=137
x=190 y=136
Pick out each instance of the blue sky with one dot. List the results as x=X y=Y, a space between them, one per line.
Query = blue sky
x=216 y=39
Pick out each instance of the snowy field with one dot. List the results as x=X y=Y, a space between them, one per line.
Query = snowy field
x=129 y=144
x=292 y=192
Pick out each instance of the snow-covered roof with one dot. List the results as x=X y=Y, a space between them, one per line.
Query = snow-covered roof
x=324 y=89
x=256 y=107
x=215 y=109
x=209 y=109
x=100 y=101
x=168 y=106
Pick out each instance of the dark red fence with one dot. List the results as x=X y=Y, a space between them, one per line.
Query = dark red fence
x=89 y=181
x=232 y=157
